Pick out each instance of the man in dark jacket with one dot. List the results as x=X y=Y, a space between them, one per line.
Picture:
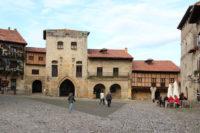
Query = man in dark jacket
x=71 y=99
x=109 y=98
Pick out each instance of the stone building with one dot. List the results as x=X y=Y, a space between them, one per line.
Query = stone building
x=190 y=54
x=109 y=70
x=150 y=79
x=35 y=73
x=12 y=55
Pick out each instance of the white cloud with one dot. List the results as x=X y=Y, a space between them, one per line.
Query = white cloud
x=131 y=25
x=46 y=10
x=58 y=3
x=16 y=4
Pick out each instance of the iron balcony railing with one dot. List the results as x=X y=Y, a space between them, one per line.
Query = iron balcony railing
x=108 y=75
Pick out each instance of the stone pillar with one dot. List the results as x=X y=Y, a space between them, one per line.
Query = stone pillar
x=153 y=90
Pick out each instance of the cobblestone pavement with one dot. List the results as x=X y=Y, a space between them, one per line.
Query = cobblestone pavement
x=27 y=115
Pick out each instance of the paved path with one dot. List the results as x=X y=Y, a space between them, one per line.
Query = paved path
x=50 y=115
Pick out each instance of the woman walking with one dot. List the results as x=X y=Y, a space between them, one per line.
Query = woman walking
x=71 y=99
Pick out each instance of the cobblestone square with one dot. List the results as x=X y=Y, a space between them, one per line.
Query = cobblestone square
x=24 y=114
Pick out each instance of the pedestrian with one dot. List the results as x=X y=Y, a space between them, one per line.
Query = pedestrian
x=71 y=99
x=102 y=98
x=109 y=98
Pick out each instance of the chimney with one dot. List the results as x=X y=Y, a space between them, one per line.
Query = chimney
x=15 y=29
x=8 y=28
x=126 y=50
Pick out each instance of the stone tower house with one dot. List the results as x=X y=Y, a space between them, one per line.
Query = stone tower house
x=190 y=55
x=66 y=62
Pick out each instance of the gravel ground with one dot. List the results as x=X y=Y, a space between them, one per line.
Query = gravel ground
x=26 y=115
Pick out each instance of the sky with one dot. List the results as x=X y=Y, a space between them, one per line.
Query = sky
x=148 y=28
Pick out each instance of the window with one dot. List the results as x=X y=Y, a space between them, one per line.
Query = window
x=99 y=71
x=73 y=59
x=79 y=62
x=198 y=40
x=79 y=71
x=171 y=80
x=139 y=79
x=59 y=45
x=115 y=72
x=198 y=68
x=54 y=70
x=31 y=57
x=162 y=82
x=153 y=82
x=40 y=58
x=13 y=64
x=14 y=49
x=74 y=45
x=34 y=71
x=103 y=51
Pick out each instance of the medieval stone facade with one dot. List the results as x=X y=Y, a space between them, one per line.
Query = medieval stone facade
x=190 y=54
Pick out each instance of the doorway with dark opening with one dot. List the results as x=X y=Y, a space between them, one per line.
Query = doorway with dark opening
x=98 y=88
x=67 y=87
x=115 y=90
x=157 y=94
x=37 y=86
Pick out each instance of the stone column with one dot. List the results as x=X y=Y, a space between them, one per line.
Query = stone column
x=153 y=90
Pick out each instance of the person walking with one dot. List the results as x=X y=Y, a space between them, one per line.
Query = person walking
x=102 y=98
x=71 y=99
x=109 y=98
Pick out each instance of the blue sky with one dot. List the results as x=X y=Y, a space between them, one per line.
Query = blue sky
x=148 y=28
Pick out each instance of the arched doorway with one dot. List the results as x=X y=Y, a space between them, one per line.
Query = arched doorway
x=115 y=90
x=98 y=88
x=37 y=86
x=66 y=87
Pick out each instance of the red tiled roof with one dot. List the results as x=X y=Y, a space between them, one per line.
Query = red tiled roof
x=156 y=66
x=36 y=50
x=11 y=36
x=115 y=54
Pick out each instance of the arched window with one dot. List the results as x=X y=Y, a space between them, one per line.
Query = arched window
x=59 y=45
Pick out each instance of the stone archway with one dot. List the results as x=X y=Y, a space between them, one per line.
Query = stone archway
x=115 y=90
x=98 y=88
x=37 y=86
x=66 y=87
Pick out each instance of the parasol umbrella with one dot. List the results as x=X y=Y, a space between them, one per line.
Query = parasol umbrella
x=169 y=92
x=175 y=92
